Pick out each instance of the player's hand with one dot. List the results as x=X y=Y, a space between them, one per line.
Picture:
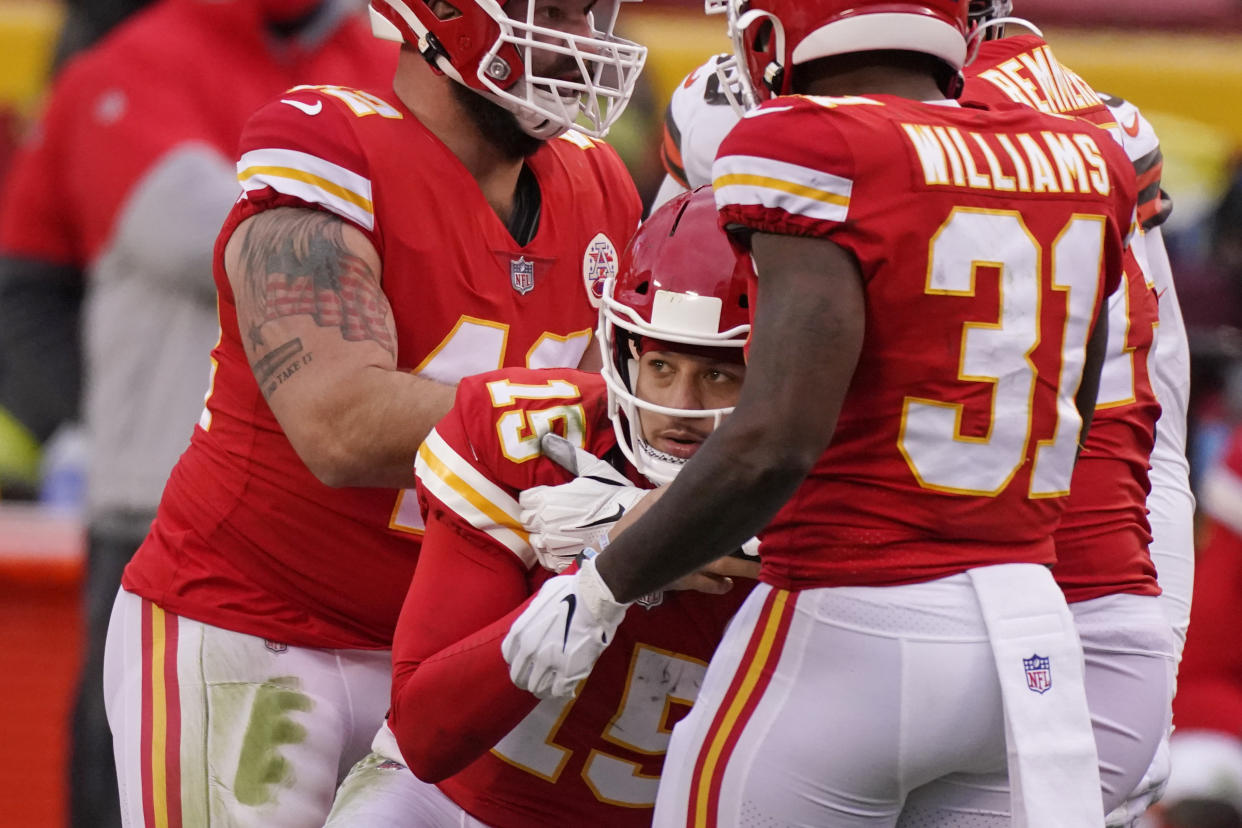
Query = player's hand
x=554 y=643
x=564 y=519
x=717 y=577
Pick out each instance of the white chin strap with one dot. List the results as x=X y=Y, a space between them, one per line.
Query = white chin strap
x=531 y=107
x=979 y=35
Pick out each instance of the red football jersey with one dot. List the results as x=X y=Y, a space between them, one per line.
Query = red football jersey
x=246 y=537
x=987 y=241
x=1022 y=69
x=1102 y=542
x=1103 y=538
x=591 y=760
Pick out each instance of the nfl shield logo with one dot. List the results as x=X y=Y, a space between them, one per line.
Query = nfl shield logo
x=1038 y=673
x=522 y=275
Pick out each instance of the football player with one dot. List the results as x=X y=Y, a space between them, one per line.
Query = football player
x=926 y=347
x=1108 y=551
x=1109 y=548
x=672 y=329
x=388 y=241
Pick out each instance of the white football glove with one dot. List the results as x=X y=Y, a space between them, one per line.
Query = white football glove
x=553 y=645
x=563 y=520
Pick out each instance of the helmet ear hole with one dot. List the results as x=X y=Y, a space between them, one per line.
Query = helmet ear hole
x=763 y=36
x=642 y=288
x=443 y=10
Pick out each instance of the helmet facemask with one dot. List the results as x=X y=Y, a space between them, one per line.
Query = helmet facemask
x=987 y=12
x=730 y=74
x=621 y=334
x=586 y=80
x=681 y=288
x=759 y=50
x=604 y=71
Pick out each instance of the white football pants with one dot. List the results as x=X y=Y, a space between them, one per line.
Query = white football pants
x=213 y=727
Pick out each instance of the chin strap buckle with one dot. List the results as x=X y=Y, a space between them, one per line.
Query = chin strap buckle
x=431 y=50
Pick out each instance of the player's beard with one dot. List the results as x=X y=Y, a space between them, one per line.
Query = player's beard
x=496 y=123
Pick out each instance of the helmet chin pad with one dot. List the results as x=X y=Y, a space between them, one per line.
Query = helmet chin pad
x=656 y=466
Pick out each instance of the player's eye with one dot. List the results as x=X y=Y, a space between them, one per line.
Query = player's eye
x=550 y=12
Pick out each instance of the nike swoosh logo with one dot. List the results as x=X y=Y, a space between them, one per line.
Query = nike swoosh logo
x=309 y=109
x=1132 y=128
x=767 y=110
x=603 y=520
x=572 y=601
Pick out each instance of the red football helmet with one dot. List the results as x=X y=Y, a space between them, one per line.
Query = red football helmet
x=771 y=36
x=679 y=282
x=483 y=48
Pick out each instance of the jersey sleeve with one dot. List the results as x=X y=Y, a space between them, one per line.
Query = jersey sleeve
x=301 y=150
x=455 y=482
x=798 y=186
x=698 y=118
x=451 y=694
x=1138 y=138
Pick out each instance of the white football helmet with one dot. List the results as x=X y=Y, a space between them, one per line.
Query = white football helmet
x=483 y=48
x=679 y=282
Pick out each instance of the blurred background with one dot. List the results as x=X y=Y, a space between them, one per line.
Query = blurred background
x=1180 y=62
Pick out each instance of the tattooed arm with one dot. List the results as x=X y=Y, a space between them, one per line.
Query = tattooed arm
x=320 y=337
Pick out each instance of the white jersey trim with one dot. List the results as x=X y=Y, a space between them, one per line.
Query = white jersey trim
x=477 y=500
x=797 y=190
x=311 y=179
